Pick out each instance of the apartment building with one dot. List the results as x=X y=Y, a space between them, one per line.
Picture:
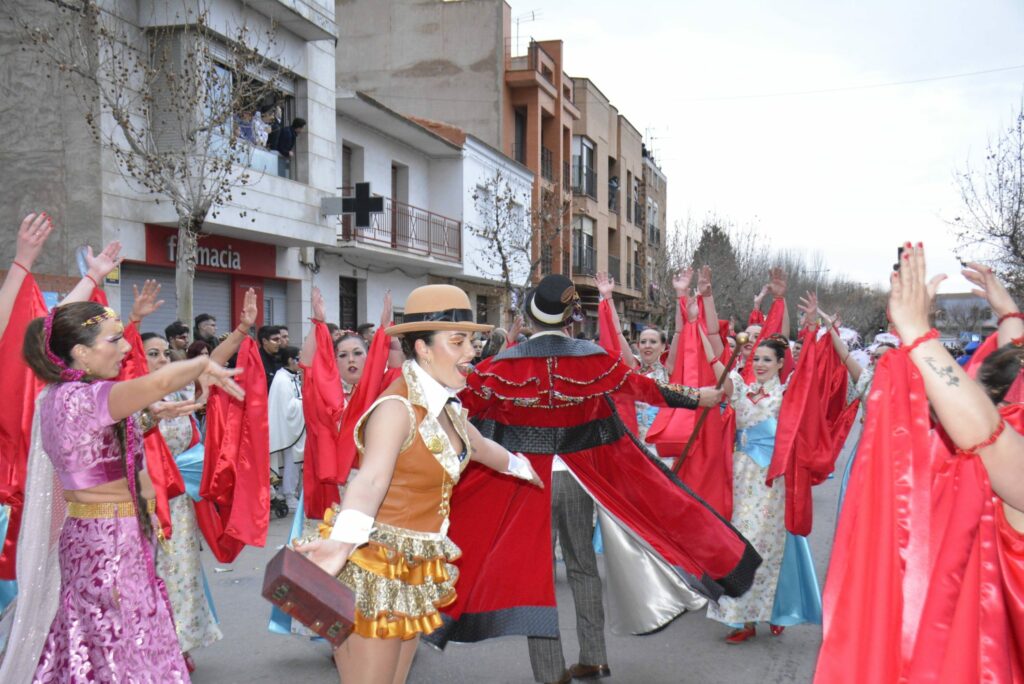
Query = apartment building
x=427 y=174
x=260 y=238
x=608 y=231
x=455 y=62
x=653 y=200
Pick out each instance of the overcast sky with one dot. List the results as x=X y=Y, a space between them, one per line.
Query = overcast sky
x=851 y=173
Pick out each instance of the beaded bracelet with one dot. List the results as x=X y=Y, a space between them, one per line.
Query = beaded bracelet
x=1015 y=314
x=930 y=335
x=973 y=451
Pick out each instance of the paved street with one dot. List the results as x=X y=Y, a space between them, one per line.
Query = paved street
x=689 y=650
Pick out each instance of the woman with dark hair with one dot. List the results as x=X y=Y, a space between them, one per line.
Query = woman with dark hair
x=759 y=510
x=107 y=612
x=415 y=441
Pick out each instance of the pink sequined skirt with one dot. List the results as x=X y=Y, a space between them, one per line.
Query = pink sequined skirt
x=112 y=623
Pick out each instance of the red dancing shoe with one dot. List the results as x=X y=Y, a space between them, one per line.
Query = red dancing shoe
x=776 y=629
x=738 y=636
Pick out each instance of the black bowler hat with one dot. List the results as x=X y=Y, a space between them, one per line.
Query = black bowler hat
x=554 y=302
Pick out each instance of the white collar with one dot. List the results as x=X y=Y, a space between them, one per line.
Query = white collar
x=435 y=394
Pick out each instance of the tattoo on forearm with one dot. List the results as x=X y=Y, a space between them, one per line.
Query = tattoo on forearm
x=945 y=373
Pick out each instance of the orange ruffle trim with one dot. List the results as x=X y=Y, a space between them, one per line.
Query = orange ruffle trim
x=391 y=564
x=394 y=626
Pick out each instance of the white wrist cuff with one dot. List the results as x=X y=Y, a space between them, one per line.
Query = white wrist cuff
x=352 y=527
x=519 y=466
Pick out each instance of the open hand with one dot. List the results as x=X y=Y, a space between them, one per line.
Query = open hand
x=319 y=310
x=103 y=263
x=166 y=410
x=988 y=285
x=247 y=318
x=146 y=301
x=681 y=281
x=910 y=300
x=704 y=281
x=217 y=375
x=515 y=328
x=777 y=282
x=809 y=305
x=32 y=234
x=386 y=312
x=605 y=284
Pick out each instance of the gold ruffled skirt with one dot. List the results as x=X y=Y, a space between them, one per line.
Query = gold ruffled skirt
x=400 y=578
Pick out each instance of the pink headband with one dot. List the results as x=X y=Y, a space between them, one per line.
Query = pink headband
x=66 y=374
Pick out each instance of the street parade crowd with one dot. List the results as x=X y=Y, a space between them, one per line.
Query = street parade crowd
x=431 y=467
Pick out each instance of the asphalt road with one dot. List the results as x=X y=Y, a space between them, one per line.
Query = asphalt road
x=689 y=650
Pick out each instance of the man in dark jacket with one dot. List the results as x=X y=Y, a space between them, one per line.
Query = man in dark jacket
x=286 y=139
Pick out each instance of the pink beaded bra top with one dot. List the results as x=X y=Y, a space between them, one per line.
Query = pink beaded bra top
x=78 y=434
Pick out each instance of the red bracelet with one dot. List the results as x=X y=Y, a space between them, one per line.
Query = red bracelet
x=973 y=451
x=94 y=283
x=22 y=267
x=1015 y=314
x=930 y=335
x=316 y=320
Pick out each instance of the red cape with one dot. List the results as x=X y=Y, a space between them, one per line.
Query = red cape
x=503 y=525
x=707 y=469
x=160 y=465
x=925 y=581
x=19 y=387
x=235 y=509
x=813 y=424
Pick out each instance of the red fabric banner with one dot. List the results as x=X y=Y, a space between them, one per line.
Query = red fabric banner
x=323 y=401
x=926 y=575
x=235 y=509
x=771 y=326
x=19 y=387
x=608 y=338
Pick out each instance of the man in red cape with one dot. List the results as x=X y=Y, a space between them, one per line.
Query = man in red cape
x=550 y=397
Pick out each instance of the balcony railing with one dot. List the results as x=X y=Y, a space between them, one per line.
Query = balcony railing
x=584 y=180
x=615 y=268
x=408 y=229
x=629 y=206
x=634 y=277
x=546 y=165
x=583 y=261
x=565 y=263
x=638 y=214
x=653 y=234
x=566 y=177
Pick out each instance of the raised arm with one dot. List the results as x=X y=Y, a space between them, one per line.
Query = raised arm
x=854 y=368
x=987 y=285
x=99 y=266
x=32 y=234
x=396 y=357
x=777 y=285
x=131 y=396
x=715 y=359
x=605 y=290
x=308 y=350
x=704 y=291
x=967 y=414
x=681 y=285
x=386 y=430
x=246 y=319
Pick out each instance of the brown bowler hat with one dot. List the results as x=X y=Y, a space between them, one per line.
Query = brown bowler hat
x=437 y=307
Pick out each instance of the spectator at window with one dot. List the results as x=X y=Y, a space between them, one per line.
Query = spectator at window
x=244 y=127
x=286 y=145
x=273 y=119
x=177 y=340
x=261 y=124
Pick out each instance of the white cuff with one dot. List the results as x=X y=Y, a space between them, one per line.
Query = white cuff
x=519 y=466
x=352 y=527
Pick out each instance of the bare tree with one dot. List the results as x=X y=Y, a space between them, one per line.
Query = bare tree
x=168 y=101
x=993 y=205
x=506 y=231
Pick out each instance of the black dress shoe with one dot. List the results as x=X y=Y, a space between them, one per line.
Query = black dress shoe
x=565 y=679
x=581 y=671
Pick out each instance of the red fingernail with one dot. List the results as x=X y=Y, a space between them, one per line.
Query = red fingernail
x=906 y=256
x=920 y=245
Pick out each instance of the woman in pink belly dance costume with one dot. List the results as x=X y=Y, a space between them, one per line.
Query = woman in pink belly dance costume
x=110 y=620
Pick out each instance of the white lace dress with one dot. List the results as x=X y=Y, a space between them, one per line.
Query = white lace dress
x=758 y=510
x=178 y=564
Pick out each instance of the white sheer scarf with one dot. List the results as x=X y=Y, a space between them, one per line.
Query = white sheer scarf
x=38 y=565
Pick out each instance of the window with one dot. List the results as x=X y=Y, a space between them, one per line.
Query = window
x=481 y=308
x=262 y=113
x=348 y=290
x=583 y=246
x=519 y=144
x=584 y=178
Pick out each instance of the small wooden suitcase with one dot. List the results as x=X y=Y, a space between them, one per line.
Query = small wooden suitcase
x=301 y=589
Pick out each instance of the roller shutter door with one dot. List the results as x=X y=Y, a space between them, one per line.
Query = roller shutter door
x=275 y=302
x=211 y=294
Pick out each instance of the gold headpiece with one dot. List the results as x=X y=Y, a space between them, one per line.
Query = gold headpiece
x=99 y=318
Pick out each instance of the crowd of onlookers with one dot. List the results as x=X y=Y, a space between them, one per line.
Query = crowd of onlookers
x=266 y=130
